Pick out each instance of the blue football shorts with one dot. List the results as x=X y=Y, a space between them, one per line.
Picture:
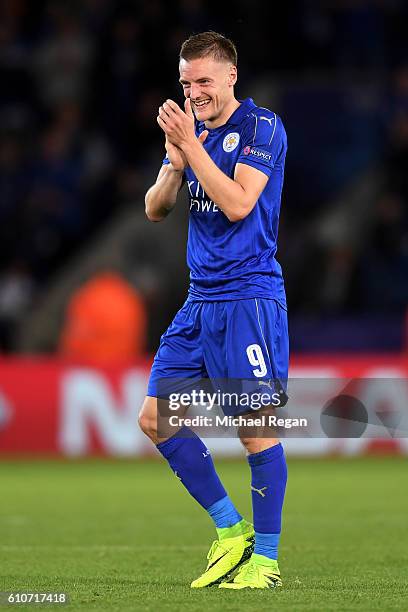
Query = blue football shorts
x=241 y=340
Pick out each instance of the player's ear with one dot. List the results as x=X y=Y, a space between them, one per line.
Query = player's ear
x=232 y=76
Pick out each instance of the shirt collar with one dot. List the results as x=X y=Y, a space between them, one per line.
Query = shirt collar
x=243 y=109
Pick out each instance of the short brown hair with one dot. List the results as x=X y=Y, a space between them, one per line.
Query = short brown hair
x=209 y=43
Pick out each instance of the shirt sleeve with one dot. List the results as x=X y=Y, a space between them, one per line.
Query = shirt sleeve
x=263 y=143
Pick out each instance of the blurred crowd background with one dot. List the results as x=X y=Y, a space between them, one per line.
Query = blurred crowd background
x=81 y=83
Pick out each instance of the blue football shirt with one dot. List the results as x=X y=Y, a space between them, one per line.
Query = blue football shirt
x=230 y=261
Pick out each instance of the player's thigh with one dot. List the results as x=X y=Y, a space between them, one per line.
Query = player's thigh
x=260 y=353
x=179 y=358
x=251 y=338
x=258 y=343
x=245 y=339
x=176 y=365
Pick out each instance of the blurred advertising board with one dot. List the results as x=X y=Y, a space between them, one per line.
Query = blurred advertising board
x=52 y=407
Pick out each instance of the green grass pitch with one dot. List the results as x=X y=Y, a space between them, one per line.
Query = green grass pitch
x=126 y=536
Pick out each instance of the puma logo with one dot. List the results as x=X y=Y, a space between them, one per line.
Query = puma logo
x=260 y=491
x=266 y=119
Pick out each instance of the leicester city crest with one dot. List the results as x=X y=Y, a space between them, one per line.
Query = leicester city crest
x=230 y=142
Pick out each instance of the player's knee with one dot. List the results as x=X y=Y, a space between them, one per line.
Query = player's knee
x=257 y=445
x=248 y=443
x=249 y=438
x=148 y=425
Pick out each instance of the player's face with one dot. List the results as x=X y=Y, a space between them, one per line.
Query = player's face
x=210 y=86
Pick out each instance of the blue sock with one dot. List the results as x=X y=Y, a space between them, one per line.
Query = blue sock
x=191 y=462
x=269 y=476
x=224 y=513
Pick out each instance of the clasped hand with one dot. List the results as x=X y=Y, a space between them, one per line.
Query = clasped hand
x=178 y=125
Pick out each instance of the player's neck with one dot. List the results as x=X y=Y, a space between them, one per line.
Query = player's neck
x=230 y=108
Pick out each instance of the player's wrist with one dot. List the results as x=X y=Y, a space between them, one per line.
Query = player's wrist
x=190 y=146
x=176 y=171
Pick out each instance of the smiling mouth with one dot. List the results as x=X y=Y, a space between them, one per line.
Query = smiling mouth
x=200 y=104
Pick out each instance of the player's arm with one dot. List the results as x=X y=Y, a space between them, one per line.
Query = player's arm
x=235 y=197
x=161 y=198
